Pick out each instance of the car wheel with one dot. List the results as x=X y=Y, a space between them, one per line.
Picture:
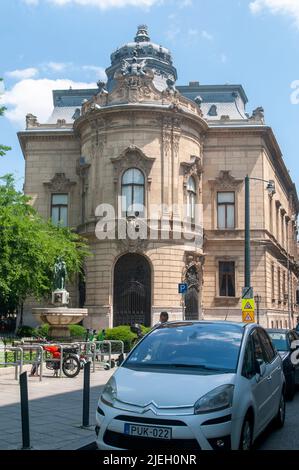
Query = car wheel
x=281 y=414
x=246 y=434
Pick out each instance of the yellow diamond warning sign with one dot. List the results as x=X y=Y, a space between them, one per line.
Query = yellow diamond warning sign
x=248 y=304
x=248 y=316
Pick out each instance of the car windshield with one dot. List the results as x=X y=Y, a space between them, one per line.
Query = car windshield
x=204 y=347
x=279 y=340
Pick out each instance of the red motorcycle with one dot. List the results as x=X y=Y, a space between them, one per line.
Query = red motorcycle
x=71 y=361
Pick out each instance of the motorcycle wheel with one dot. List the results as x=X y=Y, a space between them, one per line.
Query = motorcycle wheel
x=71 y=366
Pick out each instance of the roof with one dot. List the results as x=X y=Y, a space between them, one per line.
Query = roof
x=218 y=100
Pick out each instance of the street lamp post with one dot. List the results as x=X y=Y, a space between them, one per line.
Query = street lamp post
x=271 y=190
x=247 y=233
x=258 y=299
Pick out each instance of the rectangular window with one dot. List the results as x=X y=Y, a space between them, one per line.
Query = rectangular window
x=271 y=214
x=282 y=230
x=284 y=292
x=273 y=282
x=59 y=209
x=227 y=279
x=277 y=224
x=279 y=284
x=226 y=210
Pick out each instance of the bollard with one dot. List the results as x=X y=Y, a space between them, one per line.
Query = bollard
x=86 y=395
x=25 y=411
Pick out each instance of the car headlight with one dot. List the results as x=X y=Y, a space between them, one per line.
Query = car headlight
x=216 y=400
x=110 y=392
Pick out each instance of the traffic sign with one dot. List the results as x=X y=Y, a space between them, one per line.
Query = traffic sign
x=248 y=316
x=248 y=304
x=182 y=288
x=247 y=293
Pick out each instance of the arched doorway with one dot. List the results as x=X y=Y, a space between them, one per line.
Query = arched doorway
x=192 y=295
x=132 y=290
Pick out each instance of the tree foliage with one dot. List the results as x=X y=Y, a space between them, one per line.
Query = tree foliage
x=29 y=247
x=3 y=148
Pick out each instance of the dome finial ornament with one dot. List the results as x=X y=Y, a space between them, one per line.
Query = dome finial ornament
x=142 y=34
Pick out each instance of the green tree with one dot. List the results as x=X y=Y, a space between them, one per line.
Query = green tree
x=29 y=246
x=3 y=148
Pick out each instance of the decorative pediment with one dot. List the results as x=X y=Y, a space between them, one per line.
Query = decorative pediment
x=60 y=183
x=225 y=181
x=132 y=156
x=192 y=168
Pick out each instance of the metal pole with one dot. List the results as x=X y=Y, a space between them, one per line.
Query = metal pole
x=247 y=234
x=24 y=411
x=289 y=290
x=86 y=395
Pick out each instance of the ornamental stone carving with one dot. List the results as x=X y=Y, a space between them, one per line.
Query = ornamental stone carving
x=192 y=168
x=60 y=183
x=225 y=181
x=132 y=156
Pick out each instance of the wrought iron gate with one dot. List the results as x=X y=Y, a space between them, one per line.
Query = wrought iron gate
x=132 y=291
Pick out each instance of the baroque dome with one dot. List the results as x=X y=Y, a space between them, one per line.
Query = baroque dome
x=140 y=51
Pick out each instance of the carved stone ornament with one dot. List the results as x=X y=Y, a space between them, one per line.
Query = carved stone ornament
x=31 y=121
x=132 y=156
x=192 y=168
x=134 y=83
x=225 y=181
x=133 y=246
x=192 y=271
x=59 y=183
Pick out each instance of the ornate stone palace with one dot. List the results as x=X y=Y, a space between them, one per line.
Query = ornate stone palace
x=175 y=154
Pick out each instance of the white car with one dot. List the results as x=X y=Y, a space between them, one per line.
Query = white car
x=191 y=386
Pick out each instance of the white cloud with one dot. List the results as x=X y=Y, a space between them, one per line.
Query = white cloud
x=35 y=96
x=207 y=35
x=98 y=72
x=22 y=74
x=102 y=4
x=57 y=66
x=287 y=7
x=185 y=3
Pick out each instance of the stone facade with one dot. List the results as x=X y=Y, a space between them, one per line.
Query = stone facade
x=139 y=120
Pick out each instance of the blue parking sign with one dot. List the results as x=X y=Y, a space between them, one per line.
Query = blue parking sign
x=183 y=287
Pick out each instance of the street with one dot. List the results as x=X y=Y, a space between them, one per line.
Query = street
x=286 y=438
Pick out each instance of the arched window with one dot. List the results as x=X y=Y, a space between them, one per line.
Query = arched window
x=132 y=191
x=191 y=198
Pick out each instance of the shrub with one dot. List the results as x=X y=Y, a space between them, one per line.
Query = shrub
x=121 y=333
x=26 y=331
x=43 y=330
x=77 y=331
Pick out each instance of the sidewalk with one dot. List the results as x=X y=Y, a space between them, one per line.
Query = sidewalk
x=55 y=408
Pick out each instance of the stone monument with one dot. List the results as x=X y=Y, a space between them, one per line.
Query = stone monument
x=60 y=316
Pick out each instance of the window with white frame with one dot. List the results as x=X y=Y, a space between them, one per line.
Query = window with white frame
x=226 y=210
x=133 y=192
x=59 y=209
x=191 y=198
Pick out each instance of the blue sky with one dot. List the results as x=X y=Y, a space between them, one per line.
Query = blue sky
x=46 y=44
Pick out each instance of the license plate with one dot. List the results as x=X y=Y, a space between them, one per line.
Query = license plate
x=153 y=432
